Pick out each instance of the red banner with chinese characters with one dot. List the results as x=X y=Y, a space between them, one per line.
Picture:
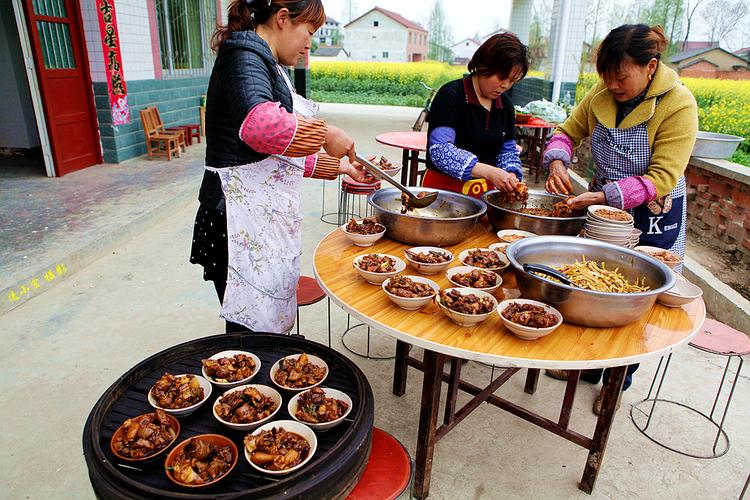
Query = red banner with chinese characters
x=118 y=94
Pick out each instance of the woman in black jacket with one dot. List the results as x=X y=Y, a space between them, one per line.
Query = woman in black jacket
x=261 y=140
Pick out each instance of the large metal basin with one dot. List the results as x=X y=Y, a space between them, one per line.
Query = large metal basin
x=587 y=307
x=508 y=216
x=713 y=145
x=447 y=221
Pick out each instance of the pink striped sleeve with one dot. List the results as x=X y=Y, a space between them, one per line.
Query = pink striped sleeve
x=559 y=147
x=268 y=128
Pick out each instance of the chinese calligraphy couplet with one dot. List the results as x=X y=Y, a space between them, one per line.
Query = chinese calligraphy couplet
x=118 y=94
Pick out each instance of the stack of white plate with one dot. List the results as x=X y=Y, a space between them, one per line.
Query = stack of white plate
x=617 y=228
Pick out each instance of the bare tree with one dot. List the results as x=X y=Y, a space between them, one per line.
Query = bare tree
x=690 y=12
x=722 y=17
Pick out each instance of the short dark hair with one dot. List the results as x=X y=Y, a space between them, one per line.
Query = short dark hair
x=498 y=55
x=639 y=42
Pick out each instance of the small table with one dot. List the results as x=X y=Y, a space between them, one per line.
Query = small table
x=411 y=143
x=535 y=136
x=570 y=347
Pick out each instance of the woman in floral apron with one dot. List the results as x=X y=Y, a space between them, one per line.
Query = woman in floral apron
x=262 y=139
x=642 y=122
x=471 y=138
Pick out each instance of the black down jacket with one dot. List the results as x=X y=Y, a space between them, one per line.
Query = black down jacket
x=244 y=75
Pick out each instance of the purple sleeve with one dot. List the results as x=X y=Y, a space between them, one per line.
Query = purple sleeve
x=446 y=157
x=560 y=147
x=629 y=192
x=509 y=160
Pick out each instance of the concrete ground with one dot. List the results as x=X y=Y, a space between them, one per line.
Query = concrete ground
x=66 y=346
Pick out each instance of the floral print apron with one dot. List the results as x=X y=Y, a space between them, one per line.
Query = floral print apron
x=264 y=236
x=620 y=153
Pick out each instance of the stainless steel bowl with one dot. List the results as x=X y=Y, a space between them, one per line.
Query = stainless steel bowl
x=508 y=217
x=587 y=307
x=447 y=221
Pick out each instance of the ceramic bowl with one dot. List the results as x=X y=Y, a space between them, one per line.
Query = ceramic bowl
x=510 y=232
x=289 y=426
x=467 y=269
x=592 y=215
x=227 y=354
x=311 y=358
x=174 y=424
x=330 y=393
x=683 y=292
x=412 y=304
x=650 y=251
x=424 y=267
x=528 y=332
x=379 y=278
x=263 y=389
x=215 y=439
x=183 y=412
x=363 y=240
x=465 y=254
x=462 y=319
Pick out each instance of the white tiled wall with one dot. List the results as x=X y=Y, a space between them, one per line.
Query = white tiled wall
x=135 y=39
x=93 y=40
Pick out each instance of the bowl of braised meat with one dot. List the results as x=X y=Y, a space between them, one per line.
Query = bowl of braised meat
x=201 y=460
x=513 y=235
x=429 y=260
x=466 y=306
x=365 y=232
x=179 y=395
x=375 y=268
x=231 y=368
x=145 y=436
x=320 y=408
x=484 y=258
x=299 y=371
x=410 y=292
x=280 y=447
x=533 y=210
x=529 y=319
x=246 y=407
x=471 y=277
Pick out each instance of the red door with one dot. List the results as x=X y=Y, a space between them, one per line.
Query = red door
x=63 y=72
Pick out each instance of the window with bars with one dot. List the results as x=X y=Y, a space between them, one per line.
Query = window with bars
x=185 y=29
x=54 y=34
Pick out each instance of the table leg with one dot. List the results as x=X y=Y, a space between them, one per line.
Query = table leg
x=433 y=379
x=400 y=368
x=612 y=393
x=405 y=167
x=532 y=379
x=413 y=167
x=452 y=397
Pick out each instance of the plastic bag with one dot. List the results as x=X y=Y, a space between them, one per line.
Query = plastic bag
x=544 y=109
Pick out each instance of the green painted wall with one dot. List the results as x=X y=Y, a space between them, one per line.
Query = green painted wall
x=178 y=101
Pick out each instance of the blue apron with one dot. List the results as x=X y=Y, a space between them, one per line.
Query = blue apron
x=622 y=153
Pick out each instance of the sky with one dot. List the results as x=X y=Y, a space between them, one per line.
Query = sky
x=468 y=17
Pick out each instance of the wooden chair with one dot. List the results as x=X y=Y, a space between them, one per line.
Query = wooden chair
x=159 y=143
x=174 y=130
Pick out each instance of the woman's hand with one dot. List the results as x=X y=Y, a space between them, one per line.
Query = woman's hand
x=355 y=171
x=504 y=181
x=338 y=143
x=558 y=181
x=587 y=199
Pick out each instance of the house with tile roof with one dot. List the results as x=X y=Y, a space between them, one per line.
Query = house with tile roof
x=711 y=62
x=384 y=35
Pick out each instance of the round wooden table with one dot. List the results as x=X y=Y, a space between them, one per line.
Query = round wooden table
x=570 y=347
x=411 y=144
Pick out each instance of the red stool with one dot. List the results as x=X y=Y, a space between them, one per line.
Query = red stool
x=308 y=293
x=388 y=470
x=714 y=338
x=192 y=131
x=349 y=190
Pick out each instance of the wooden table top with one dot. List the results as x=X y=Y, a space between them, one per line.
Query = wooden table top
x=415 y=141
x=569 y=347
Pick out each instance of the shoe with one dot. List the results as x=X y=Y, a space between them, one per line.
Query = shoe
x=597 y=408
x=558 y=374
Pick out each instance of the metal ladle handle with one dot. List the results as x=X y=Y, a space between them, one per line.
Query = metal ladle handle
x=376 y=172
x=547 y=270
